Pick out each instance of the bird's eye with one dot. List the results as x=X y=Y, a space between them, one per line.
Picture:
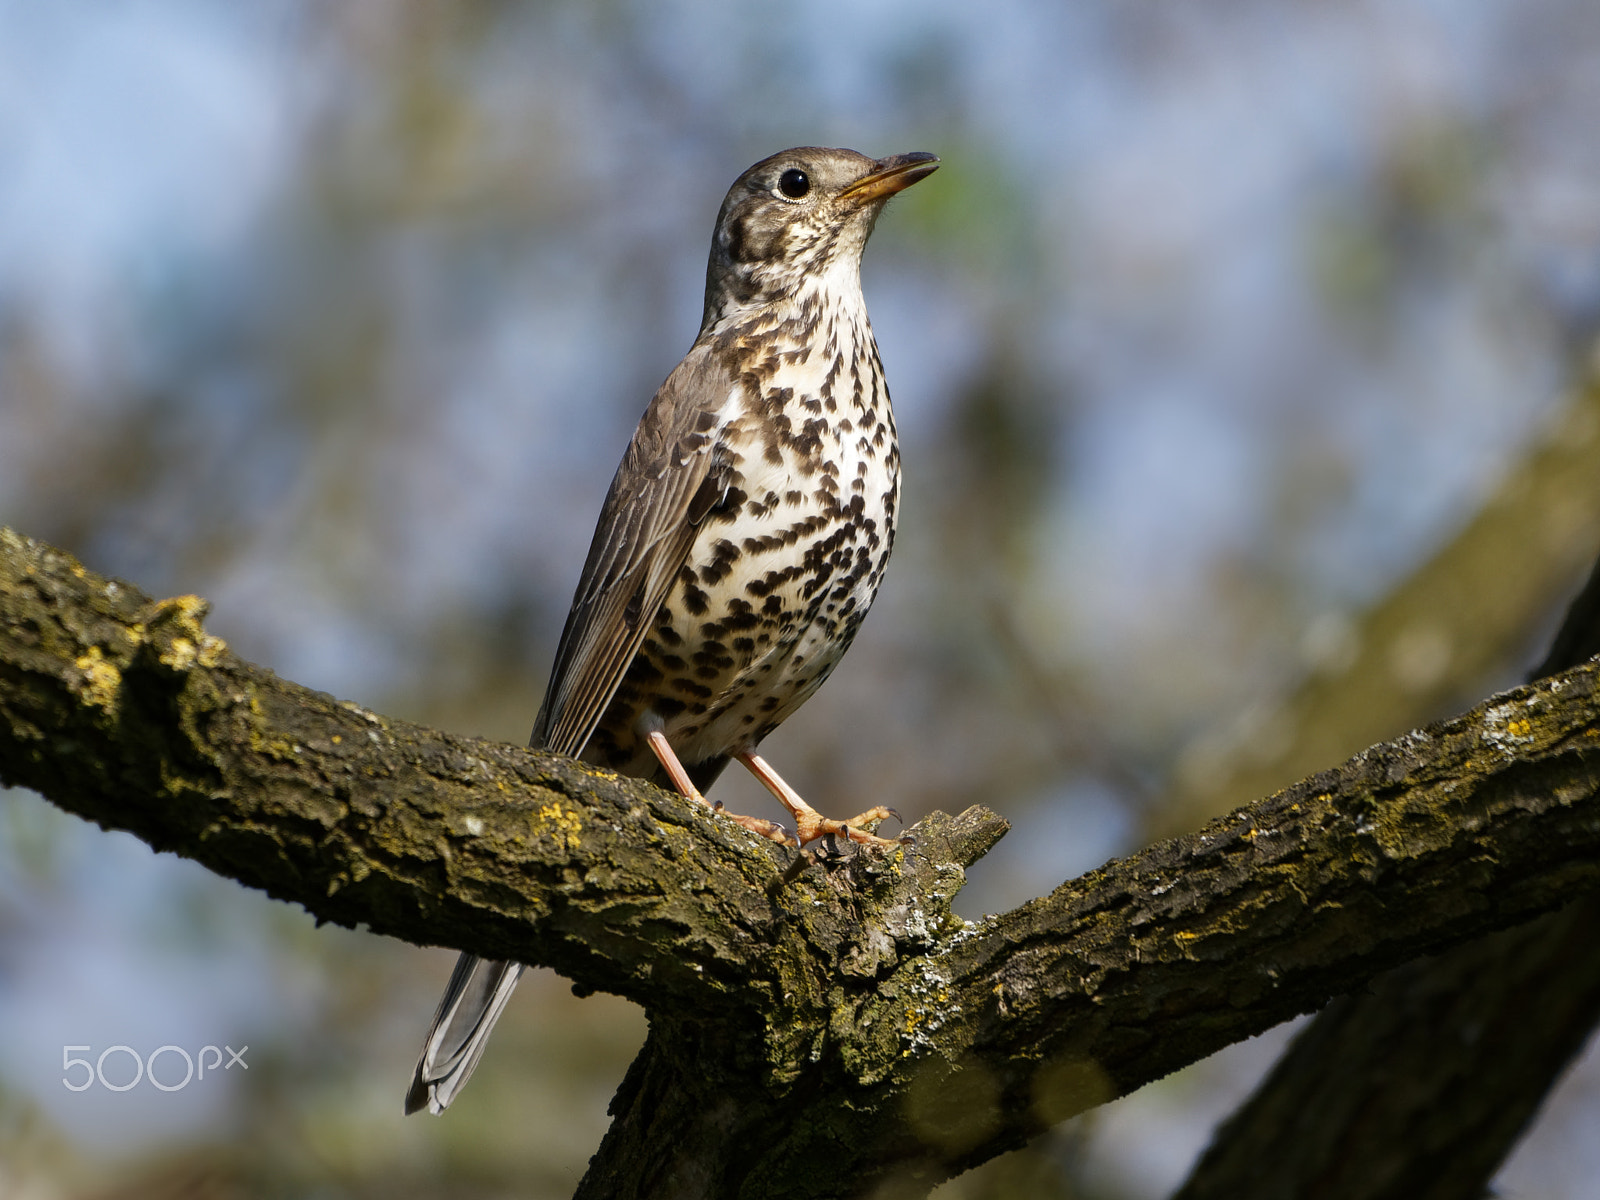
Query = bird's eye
x=794 y=183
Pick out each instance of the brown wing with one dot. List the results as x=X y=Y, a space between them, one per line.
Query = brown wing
x=669 y=479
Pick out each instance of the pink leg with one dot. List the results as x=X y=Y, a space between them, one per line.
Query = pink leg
x=680 y=780
x=669 y=759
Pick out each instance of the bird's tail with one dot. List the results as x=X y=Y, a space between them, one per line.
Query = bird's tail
x=472 y=1003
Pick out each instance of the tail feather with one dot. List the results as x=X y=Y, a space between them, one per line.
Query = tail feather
x=472 y=1003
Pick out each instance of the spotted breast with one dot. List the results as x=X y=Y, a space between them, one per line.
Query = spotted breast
x=789 y=556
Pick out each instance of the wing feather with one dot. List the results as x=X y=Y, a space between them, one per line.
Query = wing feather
x=668 y=480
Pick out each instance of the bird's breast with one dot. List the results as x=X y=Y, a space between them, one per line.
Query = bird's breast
x=782 y=571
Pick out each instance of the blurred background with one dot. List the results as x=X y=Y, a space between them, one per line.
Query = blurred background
x=1242 y=360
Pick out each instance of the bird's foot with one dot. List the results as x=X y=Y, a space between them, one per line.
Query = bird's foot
x=810 y=824
x=759 y=826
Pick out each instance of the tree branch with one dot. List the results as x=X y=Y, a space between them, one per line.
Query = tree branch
x=1421 y=1086
x=126 y=712
x=814 y=1028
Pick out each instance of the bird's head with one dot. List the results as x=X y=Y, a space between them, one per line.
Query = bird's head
x=798 y=219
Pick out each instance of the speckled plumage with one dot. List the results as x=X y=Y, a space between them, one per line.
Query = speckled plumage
x=745 y=533
x=786 y=561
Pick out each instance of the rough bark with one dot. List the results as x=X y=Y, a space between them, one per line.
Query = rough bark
x=1421 y=1086
x=817 y=1028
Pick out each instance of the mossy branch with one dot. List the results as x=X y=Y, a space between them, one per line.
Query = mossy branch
x=814 y=1028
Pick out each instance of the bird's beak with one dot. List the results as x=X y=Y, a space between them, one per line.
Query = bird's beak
x=891 y=175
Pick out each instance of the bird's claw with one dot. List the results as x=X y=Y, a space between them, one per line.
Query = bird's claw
x=905 y=839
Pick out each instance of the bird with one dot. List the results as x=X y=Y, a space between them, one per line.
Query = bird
x=743 y=538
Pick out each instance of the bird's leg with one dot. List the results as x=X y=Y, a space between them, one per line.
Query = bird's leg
x=680 y=780
x=809 y=823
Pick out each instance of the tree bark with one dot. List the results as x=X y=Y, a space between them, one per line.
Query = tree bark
x=1420 y=1087
x=818 y=1027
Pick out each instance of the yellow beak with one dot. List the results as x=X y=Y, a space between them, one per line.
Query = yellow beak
x=891 y=175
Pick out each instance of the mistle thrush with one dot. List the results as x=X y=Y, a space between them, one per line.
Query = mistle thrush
x=744 y=536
